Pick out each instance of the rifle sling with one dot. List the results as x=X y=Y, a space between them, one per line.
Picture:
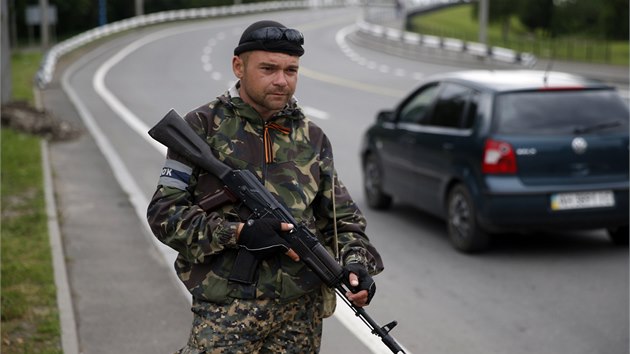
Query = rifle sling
x=218 y=199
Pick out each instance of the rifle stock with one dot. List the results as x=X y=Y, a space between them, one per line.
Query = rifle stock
x=173 y=132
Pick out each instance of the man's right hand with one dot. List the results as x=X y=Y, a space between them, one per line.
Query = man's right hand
x=261 y=237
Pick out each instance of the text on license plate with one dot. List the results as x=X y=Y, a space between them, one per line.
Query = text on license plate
x=582 y=200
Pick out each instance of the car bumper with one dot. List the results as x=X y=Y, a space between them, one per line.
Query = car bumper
x=520 y=210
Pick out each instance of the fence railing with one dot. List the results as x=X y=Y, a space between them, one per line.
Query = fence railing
x=574 y=49
x=385 y=24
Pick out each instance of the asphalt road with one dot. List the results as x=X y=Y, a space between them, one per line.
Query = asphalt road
x=543 y=293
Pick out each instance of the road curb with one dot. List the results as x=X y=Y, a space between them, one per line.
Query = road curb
x=69 y=337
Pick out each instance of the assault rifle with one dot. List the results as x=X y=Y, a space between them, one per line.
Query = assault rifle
x=173 y=132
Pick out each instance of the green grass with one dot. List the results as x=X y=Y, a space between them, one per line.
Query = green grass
x=30 y=319
x=458 y=22
x=24 y=65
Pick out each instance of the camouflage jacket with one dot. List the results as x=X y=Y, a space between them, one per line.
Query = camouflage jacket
x=292 y=157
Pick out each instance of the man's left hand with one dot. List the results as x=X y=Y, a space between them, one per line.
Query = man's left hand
x=362 y=286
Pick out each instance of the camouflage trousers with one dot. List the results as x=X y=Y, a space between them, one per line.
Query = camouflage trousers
x=256 y=326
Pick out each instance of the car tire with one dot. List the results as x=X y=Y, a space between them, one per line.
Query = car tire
x=463 y=230
x=373 y=184
x=620 y=235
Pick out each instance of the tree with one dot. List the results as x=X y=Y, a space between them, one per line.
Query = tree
x=615 y=14
x=614 y=19
x=5 y=54
x=500 y=11
x=536 y=14
x=575 y=17
x=604 y=18
x=76 y=16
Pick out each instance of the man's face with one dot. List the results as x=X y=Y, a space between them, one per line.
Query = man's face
x=268 y=79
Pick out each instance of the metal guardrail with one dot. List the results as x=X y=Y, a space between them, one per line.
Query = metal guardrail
x=49 y=61
x=370 y=25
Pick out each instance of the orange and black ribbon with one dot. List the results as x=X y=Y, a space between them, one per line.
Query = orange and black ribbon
x=267 y=139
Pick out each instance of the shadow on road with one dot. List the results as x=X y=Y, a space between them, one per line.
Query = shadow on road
x=589 y=242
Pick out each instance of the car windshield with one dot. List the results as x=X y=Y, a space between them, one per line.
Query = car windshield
x=560 y=112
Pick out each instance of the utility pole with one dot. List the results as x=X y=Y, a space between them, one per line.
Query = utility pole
x=139 y=7
x=13 y=24
x=43 y=25
x=483 y=21
x=5 y=54
x=102 y=12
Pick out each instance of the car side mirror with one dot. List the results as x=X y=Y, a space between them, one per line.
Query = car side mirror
x=385 y=116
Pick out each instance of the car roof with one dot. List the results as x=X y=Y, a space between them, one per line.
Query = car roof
x=519 y=80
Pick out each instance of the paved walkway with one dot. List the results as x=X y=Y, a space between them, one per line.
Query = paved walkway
x=124 y=297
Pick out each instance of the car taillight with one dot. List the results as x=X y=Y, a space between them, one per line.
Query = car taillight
x=498 y=158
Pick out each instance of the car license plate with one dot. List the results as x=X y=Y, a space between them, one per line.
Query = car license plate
x=582 y=200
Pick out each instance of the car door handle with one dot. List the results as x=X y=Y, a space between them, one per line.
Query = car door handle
x=448 y=146
x=407 y=140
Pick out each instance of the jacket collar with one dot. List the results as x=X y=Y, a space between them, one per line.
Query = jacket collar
x=232 y=99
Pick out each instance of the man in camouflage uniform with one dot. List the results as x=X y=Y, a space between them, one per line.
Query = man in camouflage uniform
x=257 y=125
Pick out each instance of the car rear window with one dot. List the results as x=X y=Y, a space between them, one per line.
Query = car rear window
x=560 y=112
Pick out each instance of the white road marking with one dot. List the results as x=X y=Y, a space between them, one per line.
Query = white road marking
x=206 y=57
x=340 y=38
x=315 y=113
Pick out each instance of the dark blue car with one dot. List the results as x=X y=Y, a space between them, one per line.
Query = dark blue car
x=497 y=151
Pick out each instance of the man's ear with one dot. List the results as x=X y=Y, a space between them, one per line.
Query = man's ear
x=238 y=66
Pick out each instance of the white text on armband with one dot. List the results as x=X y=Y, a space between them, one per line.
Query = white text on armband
x=175 y=174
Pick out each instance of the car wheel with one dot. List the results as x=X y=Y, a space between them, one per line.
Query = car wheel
x=619 y=235
x=372 y=184
x=463 y=229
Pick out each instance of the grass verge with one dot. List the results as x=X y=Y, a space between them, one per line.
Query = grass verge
x=30 y=318
x=458 y=22
x=24 y=65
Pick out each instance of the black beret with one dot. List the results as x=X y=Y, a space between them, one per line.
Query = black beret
x=280 y=45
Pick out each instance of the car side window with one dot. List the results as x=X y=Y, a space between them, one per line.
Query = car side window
x=454 y=107
x=416 y=108
x=471 y=112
